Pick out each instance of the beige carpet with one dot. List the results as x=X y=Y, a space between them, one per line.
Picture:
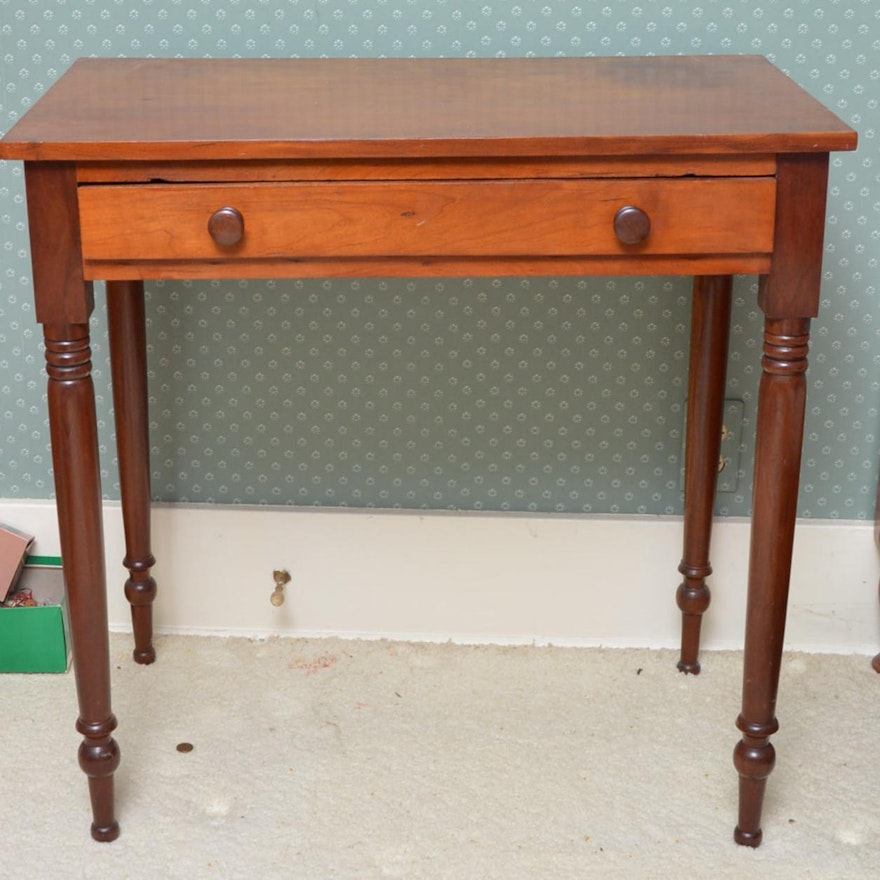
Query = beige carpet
x=338 y=759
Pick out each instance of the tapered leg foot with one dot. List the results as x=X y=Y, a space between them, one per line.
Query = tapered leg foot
x=99 y=759
x=754 y=758
x=746 y=838
x=693 y=599
x=140 y=590
x=105 y=834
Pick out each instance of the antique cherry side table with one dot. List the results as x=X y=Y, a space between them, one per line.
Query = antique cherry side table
x=702 y=166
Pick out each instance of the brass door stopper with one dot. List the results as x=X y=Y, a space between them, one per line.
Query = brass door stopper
x=281 y=577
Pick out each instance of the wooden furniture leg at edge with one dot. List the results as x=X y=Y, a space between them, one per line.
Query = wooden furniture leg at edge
x=789 y=297
x=710 y=330
x=781 y=405
x=64 y=301
x=128 y=358
x=876 y=661
x=74 y=433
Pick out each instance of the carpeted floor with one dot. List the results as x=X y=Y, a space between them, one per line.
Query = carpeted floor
x=351 y=759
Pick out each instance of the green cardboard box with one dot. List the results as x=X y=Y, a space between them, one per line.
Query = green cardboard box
x=36 y=639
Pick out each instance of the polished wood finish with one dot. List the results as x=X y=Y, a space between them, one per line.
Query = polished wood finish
x=431 y=266
x=440 y=168
x=792 y=286
x=128 y=362
x=777 y=467
x=226 y=226
x=876 y=661
x=74 y=437
x=789 y=297
x=61 y=293
x=222 y=168
x=64 y=301
x=710 y=323
x=357 y=108
x=495 y=218
x=632 y=225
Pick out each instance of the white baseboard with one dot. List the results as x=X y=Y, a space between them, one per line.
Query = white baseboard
x=500 y=578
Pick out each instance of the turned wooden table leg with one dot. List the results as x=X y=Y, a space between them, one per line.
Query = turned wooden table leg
x=789 y=296
x=64 y=300
x=77 y=484
x=876 y=661
x=128 y=357
x=777 y=468
x=710 y=327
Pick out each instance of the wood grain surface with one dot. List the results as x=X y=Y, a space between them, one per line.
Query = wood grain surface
x=186 y=109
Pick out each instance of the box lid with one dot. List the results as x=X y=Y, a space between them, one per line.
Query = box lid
x=14 y=546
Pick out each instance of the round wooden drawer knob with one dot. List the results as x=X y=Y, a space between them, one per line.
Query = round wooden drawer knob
x=226 y=226
x=631 y=225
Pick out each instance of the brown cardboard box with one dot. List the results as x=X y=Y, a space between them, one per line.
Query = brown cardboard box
x=14 y=546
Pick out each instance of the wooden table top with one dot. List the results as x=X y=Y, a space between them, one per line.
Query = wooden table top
x=237 y=109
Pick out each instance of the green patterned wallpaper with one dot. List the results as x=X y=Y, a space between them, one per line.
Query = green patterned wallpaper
x=525 y=394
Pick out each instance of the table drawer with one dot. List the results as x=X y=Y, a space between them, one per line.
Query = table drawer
x=181 y=222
